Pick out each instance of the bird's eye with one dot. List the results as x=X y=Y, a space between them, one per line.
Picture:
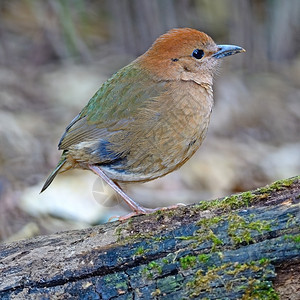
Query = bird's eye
x=198 y=53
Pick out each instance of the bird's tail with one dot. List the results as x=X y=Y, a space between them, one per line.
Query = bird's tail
x=54 y=173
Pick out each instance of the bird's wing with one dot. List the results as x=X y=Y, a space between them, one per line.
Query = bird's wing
x=112 y=108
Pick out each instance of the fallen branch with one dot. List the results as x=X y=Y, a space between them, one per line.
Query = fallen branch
x=245 y=246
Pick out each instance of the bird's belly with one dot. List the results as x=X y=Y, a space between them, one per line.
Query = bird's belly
x=167 y=145
x=154 y=162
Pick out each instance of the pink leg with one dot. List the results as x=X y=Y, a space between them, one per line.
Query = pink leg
x=137 y=209
x=133 y=205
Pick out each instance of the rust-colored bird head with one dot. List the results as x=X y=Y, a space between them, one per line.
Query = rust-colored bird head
x=185 y=54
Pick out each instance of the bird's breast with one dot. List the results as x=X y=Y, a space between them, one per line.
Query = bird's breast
x=165 y=134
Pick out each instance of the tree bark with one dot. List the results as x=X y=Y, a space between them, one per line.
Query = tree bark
x=245 y=246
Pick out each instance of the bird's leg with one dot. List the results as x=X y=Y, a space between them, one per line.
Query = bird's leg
x=138 y=209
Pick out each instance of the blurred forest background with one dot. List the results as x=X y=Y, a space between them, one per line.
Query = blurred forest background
x=55 y=54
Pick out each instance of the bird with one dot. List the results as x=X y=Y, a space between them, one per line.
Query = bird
x=150 y=117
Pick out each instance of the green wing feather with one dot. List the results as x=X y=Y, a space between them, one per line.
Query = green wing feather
x=110 y=111
x=113 y=106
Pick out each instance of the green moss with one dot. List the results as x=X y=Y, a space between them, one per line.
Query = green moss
x=260 y=290
x=121 y=286
x=186 y=238
x=292 y=220
x=238 y=268
x=155 y=266
x=203 y=280
x=296 y=239
x=209 y=222
x=228 y=203
x=254 y=266
x=278 y=185
x=140 y=251
x=215 y=240
x=188 y=261
x=293 y=238
x=231 y=202
x=203 y=258
x=240 y=230
x=151 y=269
x=207 y=234
x=193 y=245
x=147 y=273
x=245 y=199
x=264 y=261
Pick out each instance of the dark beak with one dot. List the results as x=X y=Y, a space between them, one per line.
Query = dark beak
x=226 y=50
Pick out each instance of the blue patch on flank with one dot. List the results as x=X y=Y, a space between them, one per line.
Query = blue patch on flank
x=116 y=162
x=107 y=154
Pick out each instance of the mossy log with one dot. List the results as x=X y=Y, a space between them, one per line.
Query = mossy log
x=245 y=246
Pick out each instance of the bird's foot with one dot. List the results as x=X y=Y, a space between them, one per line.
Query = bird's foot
x=144 y=211
x=137 y=209
x=141 y=211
